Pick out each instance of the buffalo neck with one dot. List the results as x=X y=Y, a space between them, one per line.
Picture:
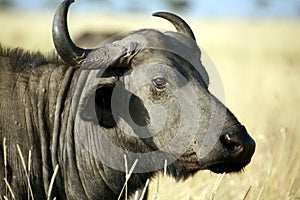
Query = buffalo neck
x=35 y=100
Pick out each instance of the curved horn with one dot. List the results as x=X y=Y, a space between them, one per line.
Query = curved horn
x=64 y=46
x=180 y=25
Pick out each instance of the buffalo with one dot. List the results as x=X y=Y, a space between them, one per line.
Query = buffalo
x=77 y=126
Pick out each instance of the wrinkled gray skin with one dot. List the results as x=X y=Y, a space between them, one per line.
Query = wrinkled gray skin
x=63 y=112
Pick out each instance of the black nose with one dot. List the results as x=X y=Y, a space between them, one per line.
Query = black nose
x=240 y=144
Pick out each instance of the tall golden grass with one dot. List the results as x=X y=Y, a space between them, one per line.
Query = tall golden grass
x=259 y=63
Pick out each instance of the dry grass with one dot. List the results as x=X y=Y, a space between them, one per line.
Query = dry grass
x=259 y=62
x=27 y=170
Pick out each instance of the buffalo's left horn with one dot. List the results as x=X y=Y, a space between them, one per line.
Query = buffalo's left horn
x=180 y=25
x=65 y=47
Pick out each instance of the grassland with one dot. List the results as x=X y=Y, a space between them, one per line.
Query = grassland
x=259 y=63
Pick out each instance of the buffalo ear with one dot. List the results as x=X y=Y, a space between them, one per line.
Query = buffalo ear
x=98 y=107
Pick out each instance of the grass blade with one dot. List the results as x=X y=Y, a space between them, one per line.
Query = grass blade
x=165 y=168
x=247 y=193
x=5 y=163
x=9 y=189
x=260 y=193
x=126 y=174
x=144 y=190
x=216 y=185
x=136 y=195
x=26 y=173
x=52 y=182
x=127 y=178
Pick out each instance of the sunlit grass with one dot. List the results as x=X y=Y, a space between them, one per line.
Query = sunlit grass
x=259 y=63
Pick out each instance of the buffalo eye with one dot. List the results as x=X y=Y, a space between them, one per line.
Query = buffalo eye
x=159 y=82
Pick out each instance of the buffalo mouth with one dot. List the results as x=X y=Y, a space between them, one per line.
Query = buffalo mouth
x=187 y=166
x=217 y=166
x=226 y=167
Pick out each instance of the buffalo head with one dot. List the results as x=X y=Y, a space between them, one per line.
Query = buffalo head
x=146 y=95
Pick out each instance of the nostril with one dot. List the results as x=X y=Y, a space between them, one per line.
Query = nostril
x=232 y=143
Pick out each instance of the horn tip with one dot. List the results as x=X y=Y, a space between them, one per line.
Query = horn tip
x=70 y=1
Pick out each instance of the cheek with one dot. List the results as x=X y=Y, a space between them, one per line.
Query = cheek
x=161 y=97
x=161 y=106
x=181 y=112
x=158 y=107
x=164 y=114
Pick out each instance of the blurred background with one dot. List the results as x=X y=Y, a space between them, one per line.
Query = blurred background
x=255 y=47
x=212 y=8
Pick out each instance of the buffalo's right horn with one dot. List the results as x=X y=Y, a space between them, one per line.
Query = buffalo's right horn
x=180 y=25
x=67 y=50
